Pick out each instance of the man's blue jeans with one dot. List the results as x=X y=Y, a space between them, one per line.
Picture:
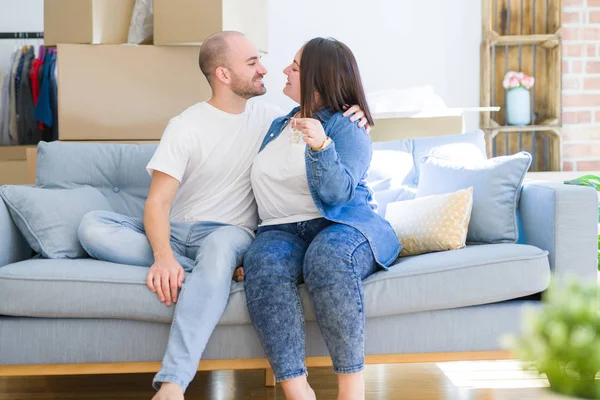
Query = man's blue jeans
x=332 y=259
x=210 y=251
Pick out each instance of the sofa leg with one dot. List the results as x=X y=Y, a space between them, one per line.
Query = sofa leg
x=269 y=378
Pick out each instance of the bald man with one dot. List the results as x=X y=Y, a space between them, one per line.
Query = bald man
x=200 y=214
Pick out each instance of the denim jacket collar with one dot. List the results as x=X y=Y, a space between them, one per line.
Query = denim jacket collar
x=324 y=115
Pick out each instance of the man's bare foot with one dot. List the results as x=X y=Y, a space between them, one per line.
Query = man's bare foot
x=169 y=391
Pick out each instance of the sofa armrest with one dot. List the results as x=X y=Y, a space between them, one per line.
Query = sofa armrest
x=562 y=219
x=13 y=246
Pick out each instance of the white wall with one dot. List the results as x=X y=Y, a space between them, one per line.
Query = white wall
x=19 y=16
x=398 y=43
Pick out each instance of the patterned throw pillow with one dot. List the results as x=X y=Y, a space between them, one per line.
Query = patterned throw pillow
x=432 y=223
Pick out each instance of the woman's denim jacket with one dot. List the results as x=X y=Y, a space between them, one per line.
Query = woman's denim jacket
x=336 y=178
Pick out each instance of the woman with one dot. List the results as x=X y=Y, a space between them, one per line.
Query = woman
x=318 y=225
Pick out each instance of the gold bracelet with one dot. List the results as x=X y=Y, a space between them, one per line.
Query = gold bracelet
x=324 y=144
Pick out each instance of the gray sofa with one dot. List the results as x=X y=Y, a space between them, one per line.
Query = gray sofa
x=439 y=306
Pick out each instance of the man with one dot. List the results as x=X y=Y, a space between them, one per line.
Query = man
x=200 y=213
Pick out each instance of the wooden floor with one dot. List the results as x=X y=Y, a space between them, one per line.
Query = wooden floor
x=447 y=381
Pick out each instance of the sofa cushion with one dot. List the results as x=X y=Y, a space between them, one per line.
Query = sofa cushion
x=384 y=197
x=496 y=188
x=118 y=171
x=469 y=146
x=398 y=162
x=88 y=288
x=396 y=165
x=391 y=164
x=49 y=218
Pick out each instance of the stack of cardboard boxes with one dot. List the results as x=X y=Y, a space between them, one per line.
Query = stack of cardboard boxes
x=112 y=91
x=109 y=90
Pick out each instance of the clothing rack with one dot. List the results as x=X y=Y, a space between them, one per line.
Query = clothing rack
x=21 y=35
x=30 y=87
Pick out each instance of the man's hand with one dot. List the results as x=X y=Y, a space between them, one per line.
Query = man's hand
x=166 y=275
x=358 y=114
x=165 y=278
x=238 y=274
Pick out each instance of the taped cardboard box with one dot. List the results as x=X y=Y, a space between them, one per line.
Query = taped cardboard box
x=87 y=21
x=180 y=22
x=125 y=92
x=406 y=125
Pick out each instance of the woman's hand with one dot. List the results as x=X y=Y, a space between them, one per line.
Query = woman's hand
x=312 y=129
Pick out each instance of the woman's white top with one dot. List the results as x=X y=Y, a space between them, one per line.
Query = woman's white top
x=280 y=184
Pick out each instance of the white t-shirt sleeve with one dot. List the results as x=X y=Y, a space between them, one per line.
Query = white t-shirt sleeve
x=172 y=154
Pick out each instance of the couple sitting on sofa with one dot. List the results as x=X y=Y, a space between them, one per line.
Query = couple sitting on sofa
x=317 y=224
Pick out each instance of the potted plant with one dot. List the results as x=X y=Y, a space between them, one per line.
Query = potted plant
x=561 y=340
x=593 y=181
x=518 y=99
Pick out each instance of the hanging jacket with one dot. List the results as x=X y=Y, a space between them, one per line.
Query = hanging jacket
x=28 y=131
x=43 y=109
x=4 y=104
x=33 y=78
x=5 y=112
x=12 y=94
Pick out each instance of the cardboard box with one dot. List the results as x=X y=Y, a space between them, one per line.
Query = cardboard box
x=17 y=165
x=192 y=21
x=87 y=21
x=125 y=92
x=406 y=125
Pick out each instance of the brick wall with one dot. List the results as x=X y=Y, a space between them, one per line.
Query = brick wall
x=581 y=85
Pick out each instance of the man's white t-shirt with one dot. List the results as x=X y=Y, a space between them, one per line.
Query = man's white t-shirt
x=210 y=152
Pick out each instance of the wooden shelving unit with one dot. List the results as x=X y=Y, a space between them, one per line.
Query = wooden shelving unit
x=523 y=35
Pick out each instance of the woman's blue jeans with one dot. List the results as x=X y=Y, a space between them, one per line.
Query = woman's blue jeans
x=332 y=259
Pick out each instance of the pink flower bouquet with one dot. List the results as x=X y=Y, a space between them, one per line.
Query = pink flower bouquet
x=514 y=79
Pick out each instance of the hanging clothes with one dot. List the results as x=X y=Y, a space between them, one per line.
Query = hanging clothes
x=18 y=78
x=40 y=78
x=33 y=78
x=3 y=105
x=29 y=97
x=43 y=109
x=28 y=131
x=5 y=112
x=12 y=118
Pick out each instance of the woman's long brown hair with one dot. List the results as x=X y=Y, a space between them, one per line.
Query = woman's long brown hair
x=328 y=67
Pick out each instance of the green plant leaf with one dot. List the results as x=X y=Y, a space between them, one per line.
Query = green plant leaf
x=561 y=340
x=586 y=180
